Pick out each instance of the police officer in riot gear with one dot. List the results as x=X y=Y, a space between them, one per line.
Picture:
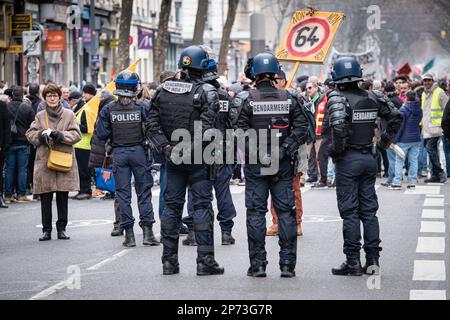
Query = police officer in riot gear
x=176 y=105
x=221 y=184
x=121 y=121
x=263 y=109
x=353 y=112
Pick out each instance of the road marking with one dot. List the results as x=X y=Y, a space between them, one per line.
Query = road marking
x=429 y=270
x=432 y=226
x=433 y=202
x=106 y=261
x=434 y=196
x=49 y=291
x=427 y=295
x=428 y=190
x=431 y=245
x=433 y=213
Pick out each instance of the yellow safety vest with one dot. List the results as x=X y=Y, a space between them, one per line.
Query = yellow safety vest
x=437 y=111
x=85 y=142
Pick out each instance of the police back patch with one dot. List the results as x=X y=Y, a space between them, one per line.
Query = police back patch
x=364 y=115
x=223 y=105
x=270 y=107
x=125 y=117
x=177 y=87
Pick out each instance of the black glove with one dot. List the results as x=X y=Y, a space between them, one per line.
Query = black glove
x=57 y=135
x=167 y=152
x=44 y=139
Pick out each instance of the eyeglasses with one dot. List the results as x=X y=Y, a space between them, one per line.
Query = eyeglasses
x=51 y=96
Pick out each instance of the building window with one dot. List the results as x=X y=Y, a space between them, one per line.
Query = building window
x=178 y=14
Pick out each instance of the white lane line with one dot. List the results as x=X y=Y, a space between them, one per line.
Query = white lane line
x=427 y=295
x=106 y=261
x=428 y=190
x=429 y=270
x=434 y=196
x=49 y=291
x=433 y=202
x=432 y=226
x=431 y=245
x=433 y=213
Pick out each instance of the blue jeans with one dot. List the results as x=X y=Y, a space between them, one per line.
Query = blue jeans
x=16 y=160
x=412 y=151
x=330 y=169
x=423 y=157
x=391 y=159
x=446 y=145
x=433 y=152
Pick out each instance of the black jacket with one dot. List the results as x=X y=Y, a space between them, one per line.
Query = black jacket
x=395 y=100
x=5 y=126
x=25 y=116
x=445 y=124
x=35 y=101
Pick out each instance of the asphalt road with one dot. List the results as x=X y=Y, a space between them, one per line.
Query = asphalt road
x=94 y=265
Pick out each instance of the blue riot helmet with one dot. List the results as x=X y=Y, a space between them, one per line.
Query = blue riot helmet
x=193 y=57
x=264 y=63
x=211 y=72
x=127 y=83
x=346 y=70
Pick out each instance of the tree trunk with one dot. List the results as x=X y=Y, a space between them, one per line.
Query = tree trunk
x=159 y=53
x=123 y=56
x=200 y=20
x=224 y=44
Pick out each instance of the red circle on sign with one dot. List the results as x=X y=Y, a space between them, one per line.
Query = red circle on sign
x=131 y=40
x=295 y=53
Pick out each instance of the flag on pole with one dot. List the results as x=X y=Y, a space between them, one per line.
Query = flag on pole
x=91 y=107
x=428 y=66
x=404 y=70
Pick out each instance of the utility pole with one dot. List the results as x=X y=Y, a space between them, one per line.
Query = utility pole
x=93 y=57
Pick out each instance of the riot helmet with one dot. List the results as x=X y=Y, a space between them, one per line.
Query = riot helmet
x=346 y=70
x=127 y=83
x=211 y=72
x=264 y=63
x=193 y=57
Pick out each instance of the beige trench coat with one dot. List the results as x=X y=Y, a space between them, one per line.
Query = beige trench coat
x=46 y=180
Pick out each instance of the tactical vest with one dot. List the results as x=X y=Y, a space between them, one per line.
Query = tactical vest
x=363 y=114
x=271 y=110
x=180 y=106
x=320 y=114
x=126 y=125
x=223 y=121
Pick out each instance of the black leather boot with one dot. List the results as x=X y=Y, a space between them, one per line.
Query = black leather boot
x=372 y=266
x=227 y=238
x=116 y=232
x=62 y=235
x=129 y=238
x=207 y=266
x=47 y=235
x=351 y=267
x=170 y=265
x=190 y=239
x=2 y=203
x=287 y=271
x=257 y=269
x=149 y=237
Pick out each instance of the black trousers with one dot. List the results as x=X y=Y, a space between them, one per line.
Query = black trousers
x=2 y=167
x=46 y=210
x=324 y=154
x=83 y=170
x=312 y=164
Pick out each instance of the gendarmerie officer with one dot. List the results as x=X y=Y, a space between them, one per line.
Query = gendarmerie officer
x=226 y=210
x=176 y=105
x=353 y=112
x=121 y=121
x=263 y=109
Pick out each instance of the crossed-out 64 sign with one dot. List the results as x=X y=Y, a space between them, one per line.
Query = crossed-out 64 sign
x=309 y=36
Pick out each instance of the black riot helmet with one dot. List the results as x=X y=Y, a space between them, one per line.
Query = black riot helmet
x=346 y=70
x=127 y=83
